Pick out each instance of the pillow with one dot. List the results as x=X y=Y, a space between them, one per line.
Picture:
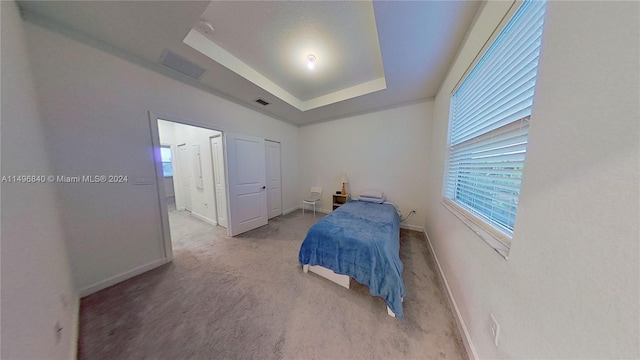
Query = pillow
x=369 y=199
x=372 y=194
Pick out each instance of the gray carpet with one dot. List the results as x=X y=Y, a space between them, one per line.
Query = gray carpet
x=247 y=298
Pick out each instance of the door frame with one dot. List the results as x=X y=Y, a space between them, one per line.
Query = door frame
x=224 y=176
x=165 y=235
x=280 y=175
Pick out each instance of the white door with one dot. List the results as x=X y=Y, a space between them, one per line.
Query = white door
x=185 y=175
x=274 y=192
x=218 y=179
x=246 y=176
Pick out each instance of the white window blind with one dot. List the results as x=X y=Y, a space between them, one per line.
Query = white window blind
x=489 y=123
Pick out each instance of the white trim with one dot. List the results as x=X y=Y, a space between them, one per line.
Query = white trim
x=512 y=7
x=279 y=175
x=412 y=227
x=289 y=211
x=204 y=218
x=215 y=52
x=164 y=212
x=66 y=31
x=462 y=327
x=120 y=277
x=346 y=94
x=182 y=121
x=318 y=210
x=165 y=231
x=477 y=227
x=205 y=46
x=370 y=111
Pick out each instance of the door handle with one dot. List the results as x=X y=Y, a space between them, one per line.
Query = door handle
x=264 y=187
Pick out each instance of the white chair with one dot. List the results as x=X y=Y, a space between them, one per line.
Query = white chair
x=313 y=199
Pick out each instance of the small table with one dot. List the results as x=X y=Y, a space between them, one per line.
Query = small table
x=339 y=200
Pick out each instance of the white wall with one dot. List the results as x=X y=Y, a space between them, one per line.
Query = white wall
x=37 y=290
x=570 y=286
x=202 y=199
x=166 y=132
x=95 y=107
x=384 y=150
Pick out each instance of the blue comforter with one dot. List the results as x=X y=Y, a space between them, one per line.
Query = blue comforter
x=362 y=240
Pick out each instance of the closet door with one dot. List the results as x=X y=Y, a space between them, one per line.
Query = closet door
x=247 y=182
x=274 y=186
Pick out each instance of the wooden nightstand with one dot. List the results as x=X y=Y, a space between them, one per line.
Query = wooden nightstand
x=339 y=200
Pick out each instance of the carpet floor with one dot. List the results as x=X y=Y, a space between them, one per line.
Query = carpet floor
x=247 y=298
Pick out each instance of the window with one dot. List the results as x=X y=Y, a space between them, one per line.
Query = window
x=165 y=155
x=489 y=126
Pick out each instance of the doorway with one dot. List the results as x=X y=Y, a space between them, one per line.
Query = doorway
x=219 y=178
x=189 y=176
x=194 y=170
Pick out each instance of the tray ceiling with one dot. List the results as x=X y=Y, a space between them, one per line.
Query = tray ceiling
x=368 y=55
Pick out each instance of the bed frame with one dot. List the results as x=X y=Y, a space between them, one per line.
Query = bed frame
x=342 y=280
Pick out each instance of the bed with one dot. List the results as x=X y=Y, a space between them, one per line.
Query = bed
x=361 y=240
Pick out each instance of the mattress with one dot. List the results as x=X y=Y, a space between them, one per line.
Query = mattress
x=362 y=240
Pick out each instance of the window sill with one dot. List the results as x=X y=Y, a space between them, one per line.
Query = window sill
x=490 y=239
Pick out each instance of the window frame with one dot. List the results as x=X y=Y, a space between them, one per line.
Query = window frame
x=498 y=240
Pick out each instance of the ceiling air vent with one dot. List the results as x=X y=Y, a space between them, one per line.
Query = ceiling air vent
x=180 y=64
x=262 y=102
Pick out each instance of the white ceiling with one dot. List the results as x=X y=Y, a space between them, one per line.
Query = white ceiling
x=368 y=55
x=276 y=37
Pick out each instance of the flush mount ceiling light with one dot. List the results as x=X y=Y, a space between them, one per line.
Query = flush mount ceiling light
x=340 y=68
x=311 y=61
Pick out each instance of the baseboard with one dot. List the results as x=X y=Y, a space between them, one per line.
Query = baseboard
x=462 y=327
x=204 y=218
x=119 y=278
x=412 y=227
x=321 y=211
x=289 y=211
x=306 y=209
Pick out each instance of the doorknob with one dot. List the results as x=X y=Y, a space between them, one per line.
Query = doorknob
x=264 y=187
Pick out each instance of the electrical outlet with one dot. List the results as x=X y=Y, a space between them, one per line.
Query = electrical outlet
x=495 y=329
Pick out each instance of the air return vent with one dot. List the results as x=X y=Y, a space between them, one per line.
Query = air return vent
x=262 y=102
x=180 y=64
